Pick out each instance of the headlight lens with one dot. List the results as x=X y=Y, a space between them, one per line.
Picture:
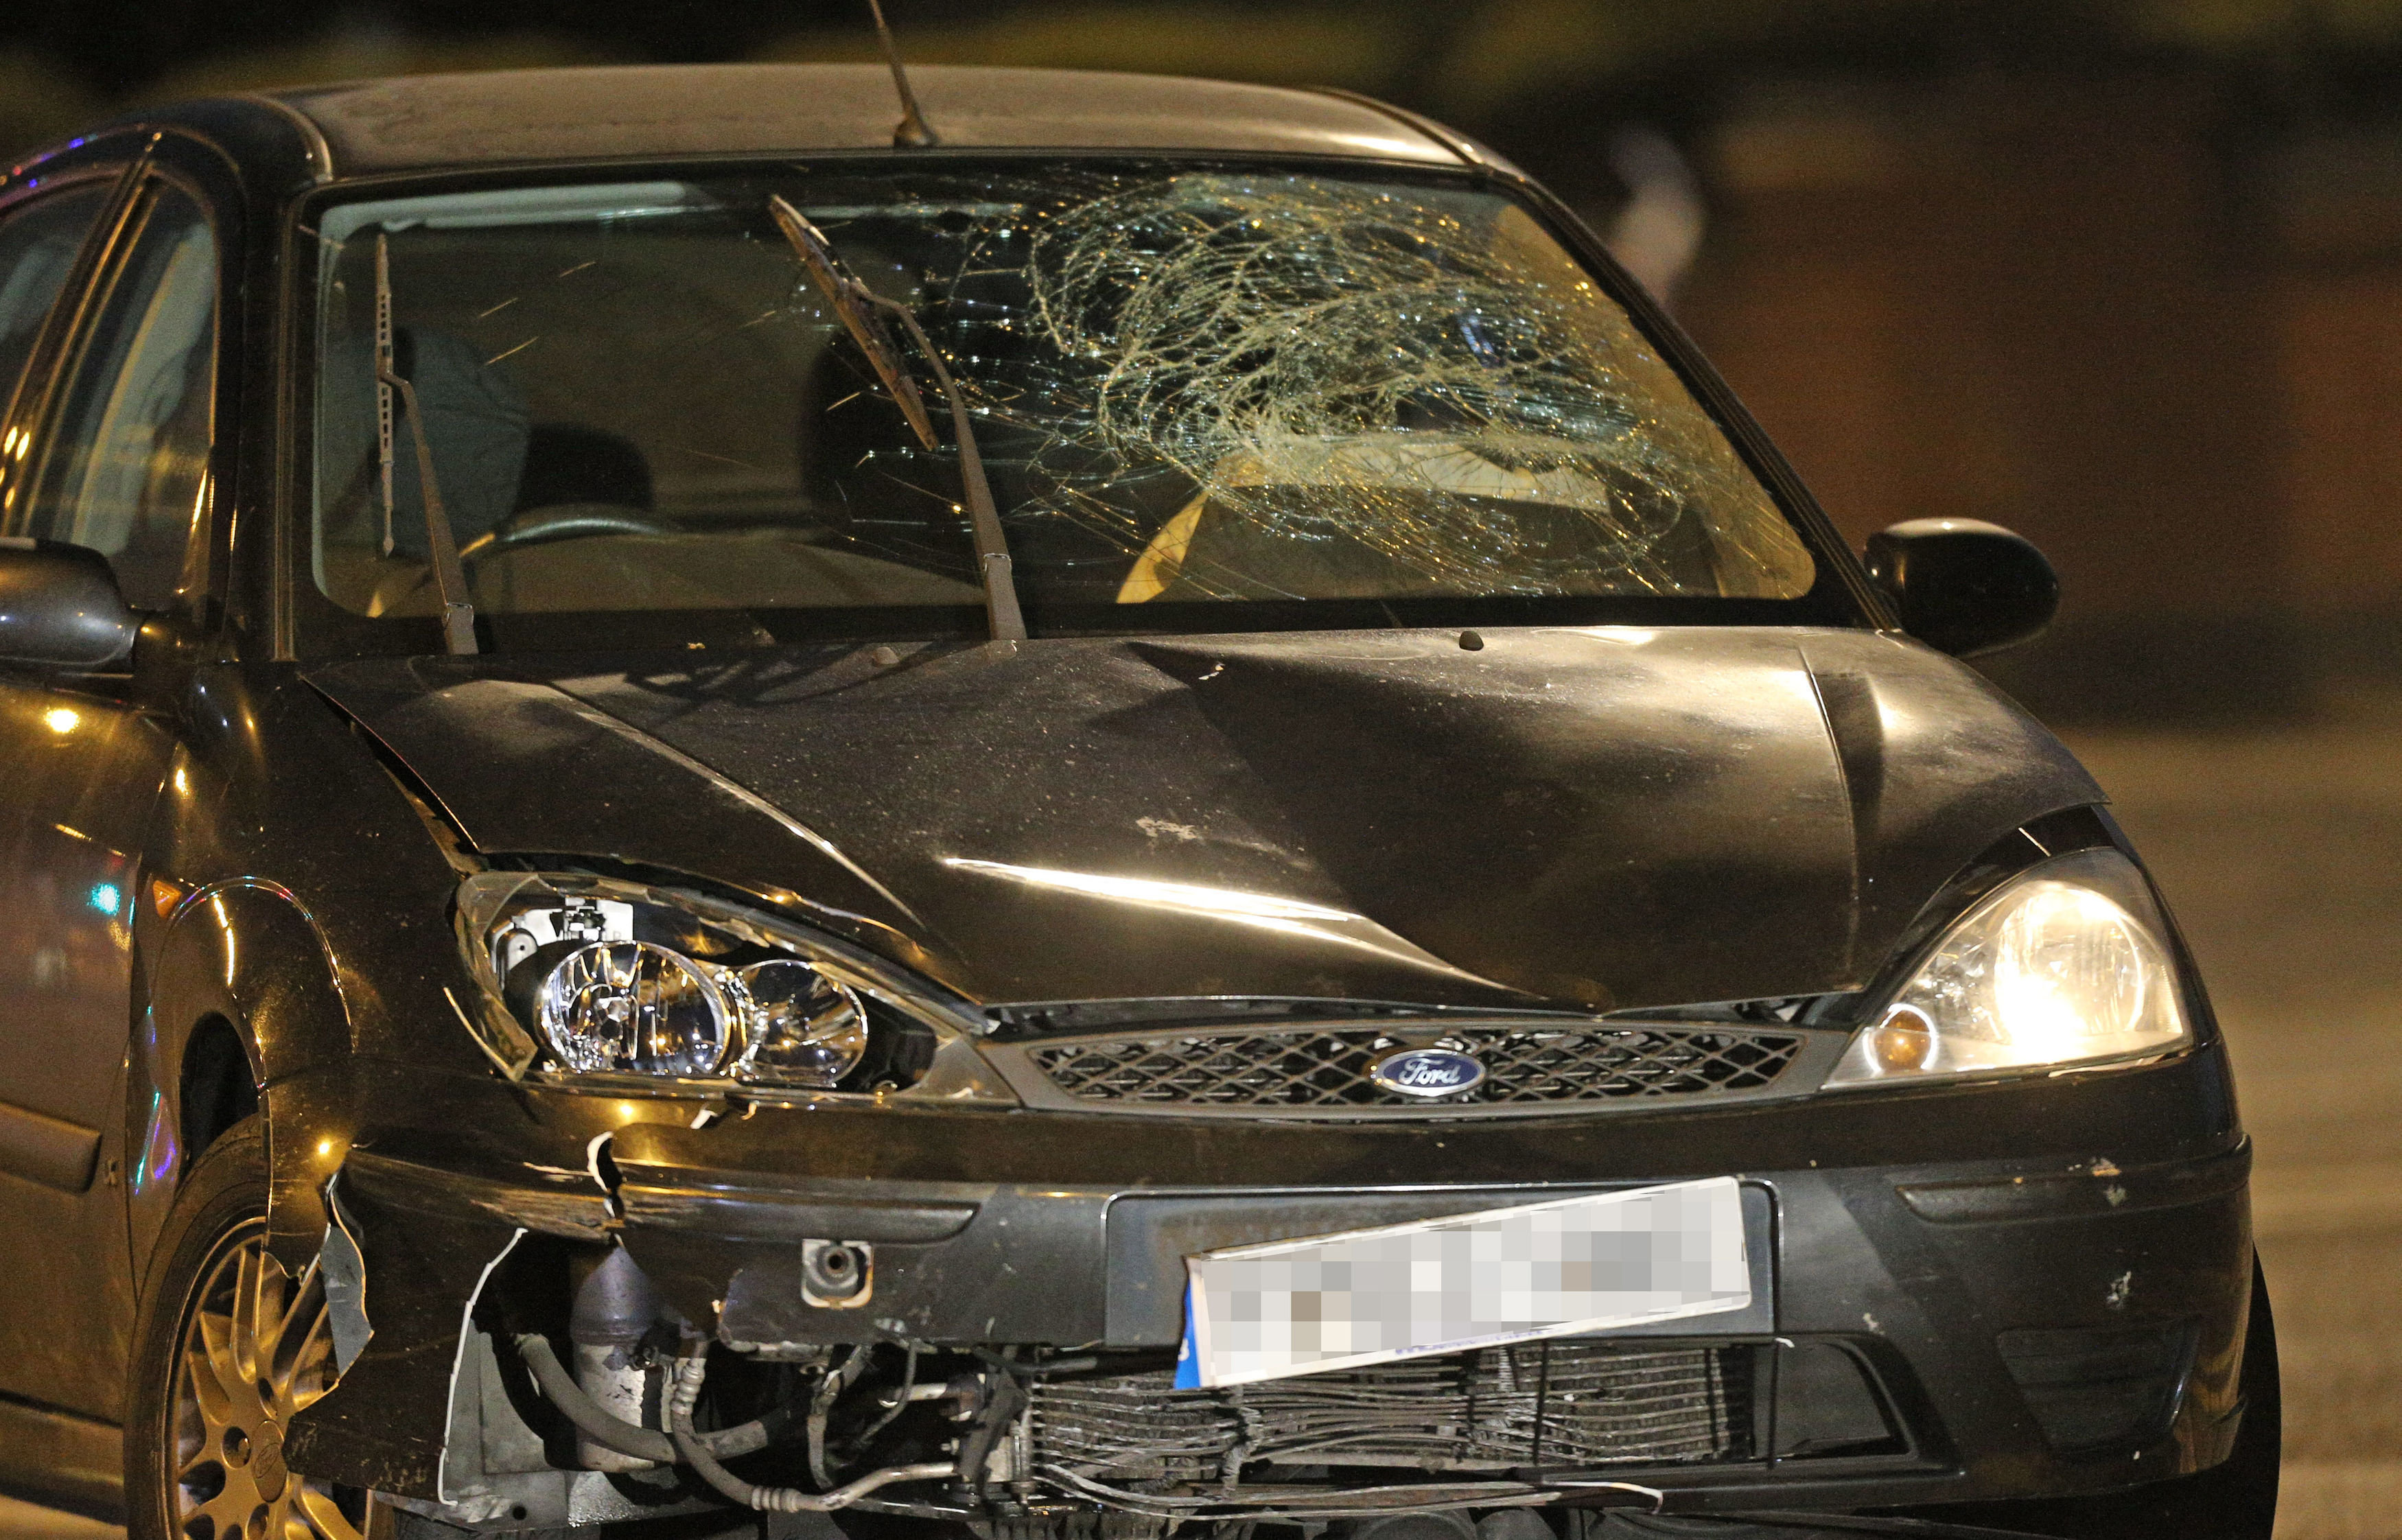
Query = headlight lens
x=2062 y=965
x=627 y=1005
x=613 y=977
x=803 y=1025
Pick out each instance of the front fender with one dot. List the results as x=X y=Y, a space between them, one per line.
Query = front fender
x=244 y=951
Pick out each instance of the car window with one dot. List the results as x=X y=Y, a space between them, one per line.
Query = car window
x=38 y=242
x=1209 y=397
x=126 y=466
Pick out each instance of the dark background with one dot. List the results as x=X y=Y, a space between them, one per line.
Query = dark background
x=2125 y=275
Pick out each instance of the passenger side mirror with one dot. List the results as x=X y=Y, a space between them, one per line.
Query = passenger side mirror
x=59 y=608
x=1964 y=586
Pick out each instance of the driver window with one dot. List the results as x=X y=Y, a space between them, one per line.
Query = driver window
x=126 y=472
x=38 y=242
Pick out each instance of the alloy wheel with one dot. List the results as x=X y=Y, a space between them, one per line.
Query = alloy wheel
x=254 y=1348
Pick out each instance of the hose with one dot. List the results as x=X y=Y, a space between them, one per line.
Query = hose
x=689 y=1372
x=605 y=1427
x=900 y=1404
x=829 y=1387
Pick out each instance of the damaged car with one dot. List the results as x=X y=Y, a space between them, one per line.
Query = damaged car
x=1137 y=814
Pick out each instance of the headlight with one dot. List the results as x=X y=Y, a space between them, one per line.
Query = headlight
x=2062 y=965
x=627 y=1005
x=803 y=1025
x=615 y=978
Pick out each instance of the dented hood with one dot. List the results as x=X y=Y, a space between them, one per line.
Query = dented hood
x=1595 y=817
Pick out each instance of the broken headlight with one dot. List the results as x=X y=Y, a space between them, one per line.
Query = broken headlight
x=2064 y=964
x=609 y=977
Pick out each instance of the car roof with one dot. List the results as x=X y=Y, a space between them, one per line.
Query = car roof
x=436 y=122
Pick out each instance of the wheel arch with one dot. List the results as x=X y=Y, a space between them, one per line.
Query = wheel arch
x=245 y=1006
x=216 y=1083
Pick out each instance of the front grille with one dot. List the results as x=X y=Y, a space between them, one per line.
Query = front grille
x=1551 y=1406
x=1328 y=1068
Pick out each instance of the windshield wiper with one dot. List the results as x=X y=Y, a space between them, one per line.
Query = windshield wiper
x=860 y=309
x=442 y=550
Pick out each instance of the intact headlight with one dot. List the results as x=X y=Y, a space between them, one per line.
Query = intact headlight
x=625 y=1005
x=2064 y=964
x=616 y=978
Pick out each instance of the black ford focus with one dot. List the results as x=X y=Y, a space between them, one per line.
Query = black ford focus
x=1148 y=819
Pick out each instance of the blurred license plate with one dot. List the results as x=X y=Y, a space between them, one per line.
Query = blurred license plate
x=1555 y=1269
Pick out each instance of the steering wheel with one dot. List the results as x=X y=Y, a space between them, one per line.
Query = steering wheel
x=563 y=521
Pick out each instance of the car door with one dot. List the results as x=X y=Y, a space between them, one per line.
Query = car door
x=116 y=422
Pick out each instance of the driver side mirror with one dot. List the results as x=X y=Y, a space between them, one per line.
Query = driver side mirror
x=61 y=609
x=1964 y=586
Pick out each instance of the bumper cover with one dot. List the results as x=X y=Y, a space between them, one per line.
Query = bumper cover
x=1935 y=1330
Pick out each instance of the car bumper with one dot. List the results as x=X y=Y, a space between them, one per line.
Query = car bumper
x=2035 y=1288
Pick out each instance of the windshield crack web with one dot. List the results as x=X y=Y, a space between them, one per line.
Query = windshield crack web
x=1361 y=402
x=1356 y=391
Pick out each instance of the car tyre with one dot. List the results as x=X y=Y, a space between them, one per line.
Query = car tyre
x=228 y=1345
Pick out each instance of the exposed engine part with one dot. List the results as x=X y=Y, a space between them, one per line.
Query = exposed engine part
x=614 y=1311
x=837 y=1274
x=603 y=1427
x=1045 y=1443
x=830 y=1388
x=1291 y=1504
x=1134 y=1441
x=1502 y=1524
x=986 y=1453
x=814 y=1355
x=898 y=1399
x=690 y=1371
x=1079 y=1524
x=1085 y=1442
x=1454 y=1525
x=1561 y=1405
x=966 y=1392
x=908 y=1390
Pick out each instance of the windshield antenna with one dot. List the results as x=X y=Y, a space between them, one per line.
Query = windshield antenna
x=911 y=132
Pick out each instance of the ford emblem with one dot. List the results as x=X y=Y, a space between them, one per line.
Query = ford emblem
x=1427 y=1072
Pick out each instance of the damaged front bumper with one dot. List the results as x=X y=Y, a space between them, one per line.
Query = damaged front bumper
x=2011 y=1301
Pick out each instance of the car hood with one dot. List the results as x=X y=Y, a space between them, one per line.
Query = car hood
x=1601 y=816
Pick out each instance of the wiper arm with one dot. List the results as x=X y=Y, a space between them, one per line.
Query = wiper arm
x=449 y=578
x=1007 y=620
x=860 y=309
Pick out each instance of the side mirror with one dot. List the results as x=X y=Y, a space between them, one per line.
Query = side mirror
x=59 y=608
x=1964 y=586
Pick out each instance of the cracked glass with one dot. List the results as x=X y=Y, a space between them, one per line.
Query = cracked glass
x=1209 y=397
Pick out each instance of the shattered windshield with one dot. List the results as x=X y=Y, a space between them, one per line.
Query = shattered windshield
x=1207 y=396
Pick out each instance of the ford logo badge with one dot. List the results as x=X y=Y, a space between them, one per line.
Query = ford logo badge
x=1427 y=1072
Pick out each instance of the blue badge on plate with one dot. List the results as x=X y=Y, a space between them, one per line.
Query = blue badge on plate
x=1188 y=1363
